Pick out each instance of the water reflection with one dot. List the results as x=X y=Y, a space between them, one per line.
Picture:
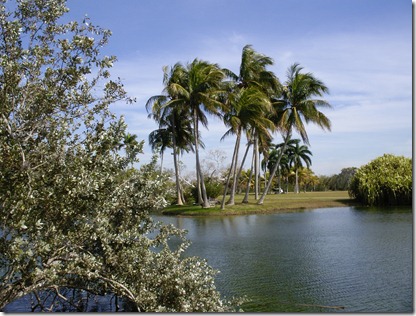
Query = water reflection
x=357 y=258
x=316 y=261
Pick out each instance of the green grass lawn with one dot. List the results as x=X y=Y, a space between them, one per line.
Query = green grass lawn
x=274 y=203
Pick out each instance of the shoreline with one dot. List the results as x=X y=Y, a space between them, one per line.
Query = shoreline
x=274 y=203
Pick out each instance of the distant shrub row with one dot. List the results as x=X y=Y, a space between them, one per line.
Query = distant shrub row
x=387 y=180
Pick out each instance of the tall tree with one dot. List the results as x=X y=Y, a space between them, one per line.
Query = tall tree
x=284 y=164
x=196 y=88
x=297 y=155
x=247 y=110
x=159 y=140
x=272 y=158
x=174 y=126
x=253 y=73
x=297 y=107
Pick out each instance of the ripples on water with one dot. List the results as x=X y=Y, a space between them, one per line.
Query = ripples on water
x=340 y=257
x=313 y=261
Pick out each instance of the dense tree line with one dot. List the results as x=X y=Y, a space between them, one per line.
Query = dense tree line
x=337 y=182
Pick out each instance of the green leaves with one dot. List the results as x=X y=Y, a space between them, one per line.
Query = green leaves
x=74 y=213
x=387 y=180
x=298 y=103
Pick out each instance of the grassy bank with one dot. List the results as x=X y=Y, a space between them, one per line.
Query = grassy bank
x=274 y=203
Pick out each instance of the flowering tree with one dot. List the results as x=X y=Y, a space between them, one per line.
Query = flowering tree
x=73 y=212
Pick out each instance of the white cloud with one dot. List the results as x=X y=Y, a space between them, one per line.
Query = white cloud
x=369 y=76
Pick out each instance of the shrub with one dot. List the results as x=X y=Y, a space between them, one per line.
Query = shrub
x=188 y=194
x=212 y=187
x=387 y=180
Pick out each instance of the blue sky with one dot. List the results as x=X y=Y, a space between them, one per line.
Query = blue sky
x=361 y=49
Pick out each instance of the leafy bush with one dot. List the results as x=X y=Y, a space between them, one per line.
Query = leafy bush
x=188 y=193
x=213 y=188
x=387 y=180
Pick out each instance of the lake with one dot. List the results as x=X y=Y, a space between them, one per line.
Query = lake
x=344 y=259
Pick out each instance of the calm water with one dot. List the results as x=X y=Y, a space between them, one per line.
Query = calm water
x=359 y=259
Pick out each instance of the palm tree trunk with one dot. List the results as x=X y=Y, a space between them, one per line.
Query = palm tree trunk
x=182 y=195
x=235 y=177
x=245 y=200
x=265 y=171
x=175 y=162
x=256 y=167
x=203 y=192
x=266 y=189
x=260 y=182
x=203 y=195
x=287 y=184
x=178 y=186
x=244 y=160
x=232 y=167
x=198 y=187
x=279 y=178
x=296 y=181
x=161 y=162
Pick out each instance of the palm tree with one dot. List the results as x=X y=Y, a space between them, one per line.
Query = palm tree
x=253 y=71
x=272 y=158
x=166 y=136
x=245 y=179
x=297 y=154
x=253 y=74
x=174 y=128
x=249 y=182
x=261 y=139
x=132 y=146
x=297 y=107
x=284 y=165
x=247 y=110
x=159 y=140
x=195 y=88
x=284 y=169
x=269 y=160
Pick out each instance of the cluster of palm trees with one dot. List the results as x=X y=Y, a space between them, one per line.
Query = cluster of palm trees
x=292 y=159
x=252 y=104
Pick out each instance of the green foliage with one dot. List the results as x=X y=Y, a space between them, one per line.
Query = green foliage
x=337 y=182
x=213 y=188
x=387 y=180
x=188 y=193
x=298 y=105
x=194 y=90
x=73 y=212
